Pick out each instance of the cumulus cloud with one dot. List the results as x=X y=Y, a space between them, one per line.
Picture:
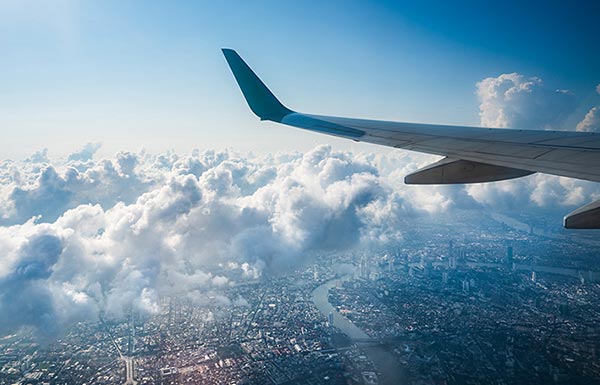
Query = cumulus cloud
x=591 y=121
x=47 y=190
x=86 y=153
x=538 y=191
x=515 y=101
x=40 y=156
x=86 y=237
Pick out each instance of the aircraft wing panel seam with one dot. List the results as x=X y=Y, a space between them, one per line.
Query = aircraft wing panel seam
x=492 y=142
x=539 y=144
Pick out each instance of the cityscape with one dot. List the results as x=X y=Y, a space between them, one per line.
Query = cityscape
x=431 y=309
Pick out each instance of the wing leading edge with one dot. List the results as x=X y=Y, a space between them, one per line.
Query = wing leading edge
x=473 y=154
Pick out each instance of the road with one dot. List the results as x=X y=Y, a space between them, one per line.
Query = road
x=129 y=368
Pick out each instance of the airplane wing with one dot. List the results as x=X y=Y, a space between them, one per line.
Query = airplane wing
x=472 y=154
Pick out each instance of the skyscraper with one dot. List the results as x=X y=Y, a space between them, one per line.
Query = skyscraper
x=509 y=255
x=362 y=268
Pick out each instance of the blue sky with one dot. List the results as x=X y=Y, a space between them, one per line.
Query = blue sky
x=150 y=74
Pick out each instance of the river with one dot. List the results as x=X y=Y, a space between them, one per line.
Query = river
x=390 y=371
x=520 y=226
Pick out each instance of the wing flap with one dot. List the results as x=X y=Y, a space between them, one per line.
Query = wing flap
x=459 y=171
x=586 y=217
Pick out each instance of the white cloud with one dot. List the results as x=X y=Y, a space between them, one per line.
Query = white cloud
x=86 y=153
x=115 y=234
x=534 y=192
x=514 y=101
x=591 y=121
x=40 y=156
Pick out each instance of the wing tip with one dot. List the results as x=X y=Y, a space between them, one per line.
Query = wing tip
x=259 y=98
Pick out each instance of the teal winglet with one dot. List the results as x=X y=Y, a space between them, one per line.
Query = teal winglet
x=260 y=99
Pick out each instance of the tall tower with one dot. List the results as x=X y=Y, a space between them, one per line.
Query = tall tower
x=509 y=255
x=362 y=268
x=452 y=262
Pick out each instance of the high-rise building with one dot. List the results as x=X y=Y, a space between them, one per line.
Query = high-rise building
x=428 y=267
x=452 y=262
x=330 y=318
x=509 y=255
x=445 y=277
x=363 y=268
x=533 y=276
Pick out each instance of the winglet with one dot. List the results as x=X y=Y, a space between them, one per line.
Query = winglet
x=261 y=101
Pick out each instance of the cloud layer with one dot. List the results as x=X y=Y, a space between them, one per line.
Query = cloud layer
x=83 y=237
